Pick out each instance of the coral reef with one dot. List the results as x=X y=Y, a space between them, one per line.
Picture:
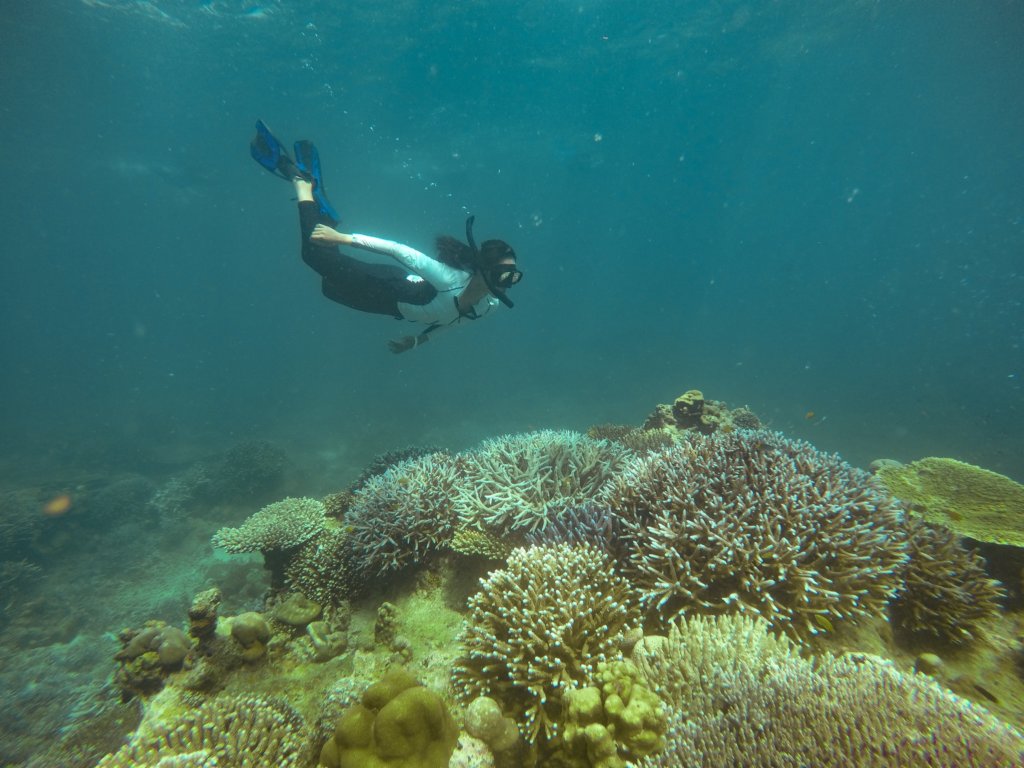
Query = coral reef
x=540 y=625
x=753 y=522
x=328 y=639
x=946 y=591
x=296 y=610
x=227 y=732
x=250 y=471
x=972 y=501
x=691 y=412
x=202 y=615
x=522 y=482
x=636 y=439
x=470 y=541
x=282 y=525
x=147 y=656
x=402 y=515
x=617 y=719
x=252 y=632
x=741 y=696
x=397 y=724
x=486 y=721
x=385 y=461
x=321 y=569
x=587 y=523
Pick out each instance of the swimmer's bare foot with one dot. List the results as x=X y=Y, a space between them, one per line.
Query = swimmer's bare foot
x=303 y=189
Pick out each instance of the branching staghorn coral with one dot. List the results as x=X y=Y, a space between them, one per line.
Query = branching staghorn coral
x=541 y=624
x=946 y=591
x=228 y=732
x=282 y=525
x=586 y=523
x=401 y=515
x=521 y=482
x=753 y=522
x=740 y=696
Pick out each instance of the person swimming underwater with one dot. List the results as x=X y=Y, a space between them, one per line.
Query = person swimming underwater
x=463 y=283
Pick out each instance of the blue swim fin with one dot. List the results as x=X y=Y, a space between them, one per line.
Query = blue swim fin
x=269 y=152
x=307 y=160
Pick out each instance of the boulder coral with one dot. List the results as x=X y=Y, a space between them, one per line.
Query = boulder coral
x=148 y=656
x=972 y=501
x=540 y=626
x=752 y=522
x=397 y=724
x=618 y=719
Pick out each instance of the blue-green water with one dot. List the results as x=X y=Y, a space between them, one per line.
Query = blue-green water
x=800 y=206
x=812 y=208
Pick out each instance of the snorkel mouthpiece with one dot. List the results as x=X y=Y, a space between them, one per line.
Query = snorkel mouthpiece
x=499 y=295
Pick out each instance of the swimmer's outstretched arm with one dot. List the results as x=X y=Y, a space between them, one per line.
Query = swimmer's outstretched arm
x=324 y=235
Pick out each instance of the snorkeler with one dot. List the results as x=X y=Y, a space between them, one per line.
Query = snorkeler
x=463 y=283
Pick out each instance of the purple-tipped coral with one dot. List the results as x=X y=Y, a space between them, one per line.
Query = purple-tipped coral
x=522 y=482
x=588 y=523
x=751 y=522
x=540 y=625
x=400 y=516
x=740 y=696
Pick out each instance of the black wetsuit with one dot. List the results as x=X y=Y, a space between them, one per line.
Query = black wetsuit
x=376 y=288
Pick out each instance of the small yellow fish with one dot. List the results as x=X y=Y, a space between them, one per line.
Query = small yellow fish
x=824 y=623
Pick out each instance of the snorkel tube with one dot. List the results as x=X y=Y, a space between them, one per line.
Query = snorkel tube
x=499 y=295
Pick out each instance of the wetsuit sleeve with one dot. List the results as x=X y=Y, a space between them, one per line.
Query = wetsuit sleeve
x=440 y=276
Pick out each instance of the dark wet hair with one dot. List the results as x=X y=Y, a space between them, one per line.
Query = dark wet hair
x=457 y=254
x=454 y=253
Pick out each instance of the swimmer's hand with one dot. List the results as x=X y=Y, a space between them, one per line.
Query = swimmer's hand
x=324 y=235
x=404 y=344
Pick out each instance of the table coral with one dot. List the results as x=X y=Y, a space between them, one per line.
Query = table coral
x=972 y=501
x=742 y=696
x=750 y=521
x=540 y=625
x=522 y=482
x=282 y=525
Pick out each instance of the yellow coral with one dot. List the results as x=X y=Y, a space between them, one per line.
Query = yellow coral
x=969 y=500
x=468 y=541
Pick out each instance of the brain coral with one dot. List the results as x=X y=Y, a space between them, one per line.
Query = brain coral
x=282 y=525
x=404 y=513
x=228 y=732
x=946 y=591
x=742 y=697
x=523 y=481
x=967 y=499
x=540 y=625
x=752 y=522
